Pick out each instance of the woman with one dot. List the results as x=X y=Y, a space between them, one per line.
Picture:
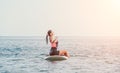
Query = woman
x=54 y=44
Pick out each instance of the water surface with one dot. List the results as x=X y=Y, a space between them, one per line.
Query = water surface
x=88 y=55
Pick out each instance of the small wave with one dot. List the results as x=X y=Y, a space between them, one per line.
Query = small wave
x=8 y=52
x=17 y=60
x=5 y=72
x=10 y=49
x=43 y=71
x=1 y=66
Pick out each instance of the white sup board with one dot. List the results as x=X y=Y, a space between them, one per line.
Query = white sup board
x=56 y=58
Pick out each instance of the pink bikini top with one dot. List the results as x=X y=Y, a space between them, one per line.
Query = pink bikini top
x=53 y=44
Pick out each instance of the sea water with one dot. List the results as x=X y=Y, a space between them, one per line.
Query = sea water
x=88 y=55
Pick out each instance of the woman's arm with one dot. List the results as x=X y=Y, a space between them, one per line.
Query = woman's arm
x=53 y=40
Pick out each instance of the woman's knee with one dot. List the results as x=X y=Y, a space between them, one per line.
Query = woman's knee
x=62 y=52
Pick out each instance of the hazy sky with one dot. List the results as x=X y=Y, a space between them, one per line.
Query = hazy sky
x=65 y=17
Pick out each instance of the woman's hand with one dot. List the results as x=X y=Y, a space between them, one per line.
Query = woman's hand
x=56 y=40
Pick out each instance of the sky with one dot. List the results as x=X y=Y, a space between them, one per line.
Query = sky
x=64 y=17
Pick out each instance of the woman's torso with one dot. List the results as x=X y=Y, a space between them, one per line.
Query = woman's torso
x=53 y=44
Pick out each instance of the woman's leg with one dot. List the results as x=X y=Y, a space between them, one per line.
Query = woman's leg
x=63 y=53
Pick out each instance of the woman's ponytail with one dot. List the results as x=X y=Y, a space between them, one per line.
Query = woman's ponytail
x=47 y=39
x=48 y=34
